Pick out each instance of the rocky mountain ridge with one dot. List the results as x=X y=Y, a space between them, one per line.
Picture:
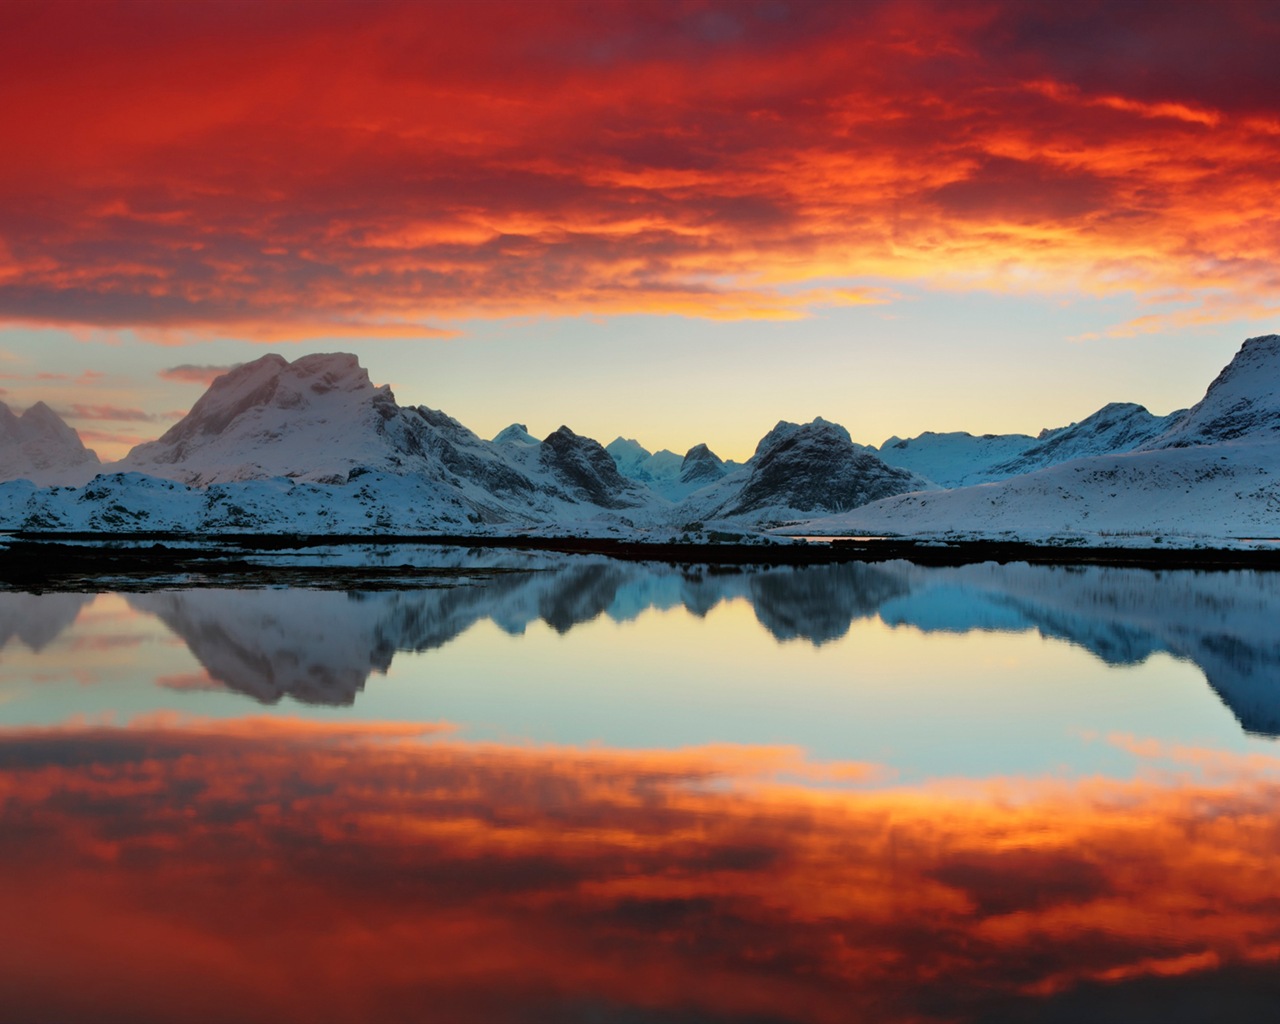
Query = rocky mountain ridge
x=314 y=445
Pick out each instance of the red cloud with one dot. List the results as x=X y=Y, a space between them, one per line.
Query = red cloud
x=312 y=871
x=351 y=169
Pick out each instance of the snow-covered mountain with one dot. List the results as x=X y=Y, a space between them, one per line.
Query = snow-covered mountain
x=1242 y=403
x=960 y=459
x=1113 y=429
x=586 y=471
x=1214 y=470
x=313 y=446
x=666 y=473
x=315 y=419
x=517 y=433
x=701 y=467
x=799 y=471
x=953 y=459
x=313 y=443
x=636 y=462
x=39 y=446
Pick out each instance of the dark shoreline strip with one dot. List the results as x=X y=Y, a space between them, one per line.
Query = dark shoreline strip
x=76 y=560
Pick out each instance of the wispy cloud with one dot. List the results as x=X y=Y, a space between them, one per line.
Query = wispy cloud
x=189 y=373
x=121 y=414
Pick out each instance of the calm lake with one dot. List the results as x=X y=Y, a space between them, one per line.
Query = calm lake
x=565 y=788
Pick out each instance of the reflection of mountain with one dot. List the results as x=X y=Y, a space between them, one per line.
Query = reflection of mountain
x=37 y=621
x=1224 y=622
x=820 y=604
x=321 y=646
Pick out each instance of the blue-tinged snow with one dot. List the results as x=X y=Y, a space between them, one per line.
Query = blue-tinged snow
x=314 y=447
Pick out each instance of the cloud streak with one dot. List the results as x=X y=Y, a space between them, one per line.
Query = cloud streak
x=189 y=373
x=387 y=170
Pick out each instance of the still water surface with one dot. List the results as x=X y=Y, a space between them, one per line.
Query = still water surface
x=590 y=790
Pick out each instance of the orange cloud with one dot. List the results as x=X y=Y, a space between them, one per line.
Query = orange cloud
x=286 y=869
x=381 y=170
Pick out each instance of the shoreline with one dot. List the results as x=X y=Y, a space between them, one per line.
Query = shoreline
x=81 y=560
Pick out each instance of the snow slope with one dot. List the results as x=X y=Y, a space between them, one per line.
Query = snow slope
x=960 y=459
x=953 y=459
x=1115 y=428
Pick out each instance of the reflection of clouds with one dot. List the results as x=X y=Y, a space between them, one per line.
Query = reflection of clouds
x=98 y=643
x=190 y=682
x=333 y=872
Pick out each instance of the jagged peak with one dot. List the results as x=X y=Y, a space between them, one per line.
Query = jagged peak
x=41 y=411
x=786 y=429
x=701 y=453
x=627 y=446
x=517 y=433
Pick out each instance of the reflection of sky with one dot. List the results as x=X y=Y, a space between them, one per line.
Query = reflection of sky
x=267 y=869
x=612 y=808
x=924 y=704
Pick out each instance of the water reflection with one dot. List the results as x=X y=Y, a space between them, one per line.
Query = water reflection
x=36 y=621
x=269 y=870
x=321 y=646
x=285 y=869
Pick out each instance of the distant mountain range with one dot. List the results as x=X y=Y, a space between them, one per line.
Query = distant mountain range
x=314 y=446
x=1211 y=470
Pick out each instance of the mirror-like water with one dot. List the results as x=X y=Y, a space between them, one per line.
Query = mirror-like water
x=593 y=790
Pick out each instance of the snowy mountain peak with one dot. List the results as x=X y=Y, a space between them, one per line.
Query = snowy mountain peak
x=658 y=470
x=1116 y=427
x=39 y=446
x=315 y=418
x=1243 y=402
x=41 y=421
x=785 y=428
x=627 y=447
x=801 y=469
x=517 y=433
x=701 y=466
x=701 y=453
x=585 y=470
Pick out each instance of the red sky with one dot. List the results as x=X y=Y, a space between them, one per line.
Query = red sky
x=272 y=172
